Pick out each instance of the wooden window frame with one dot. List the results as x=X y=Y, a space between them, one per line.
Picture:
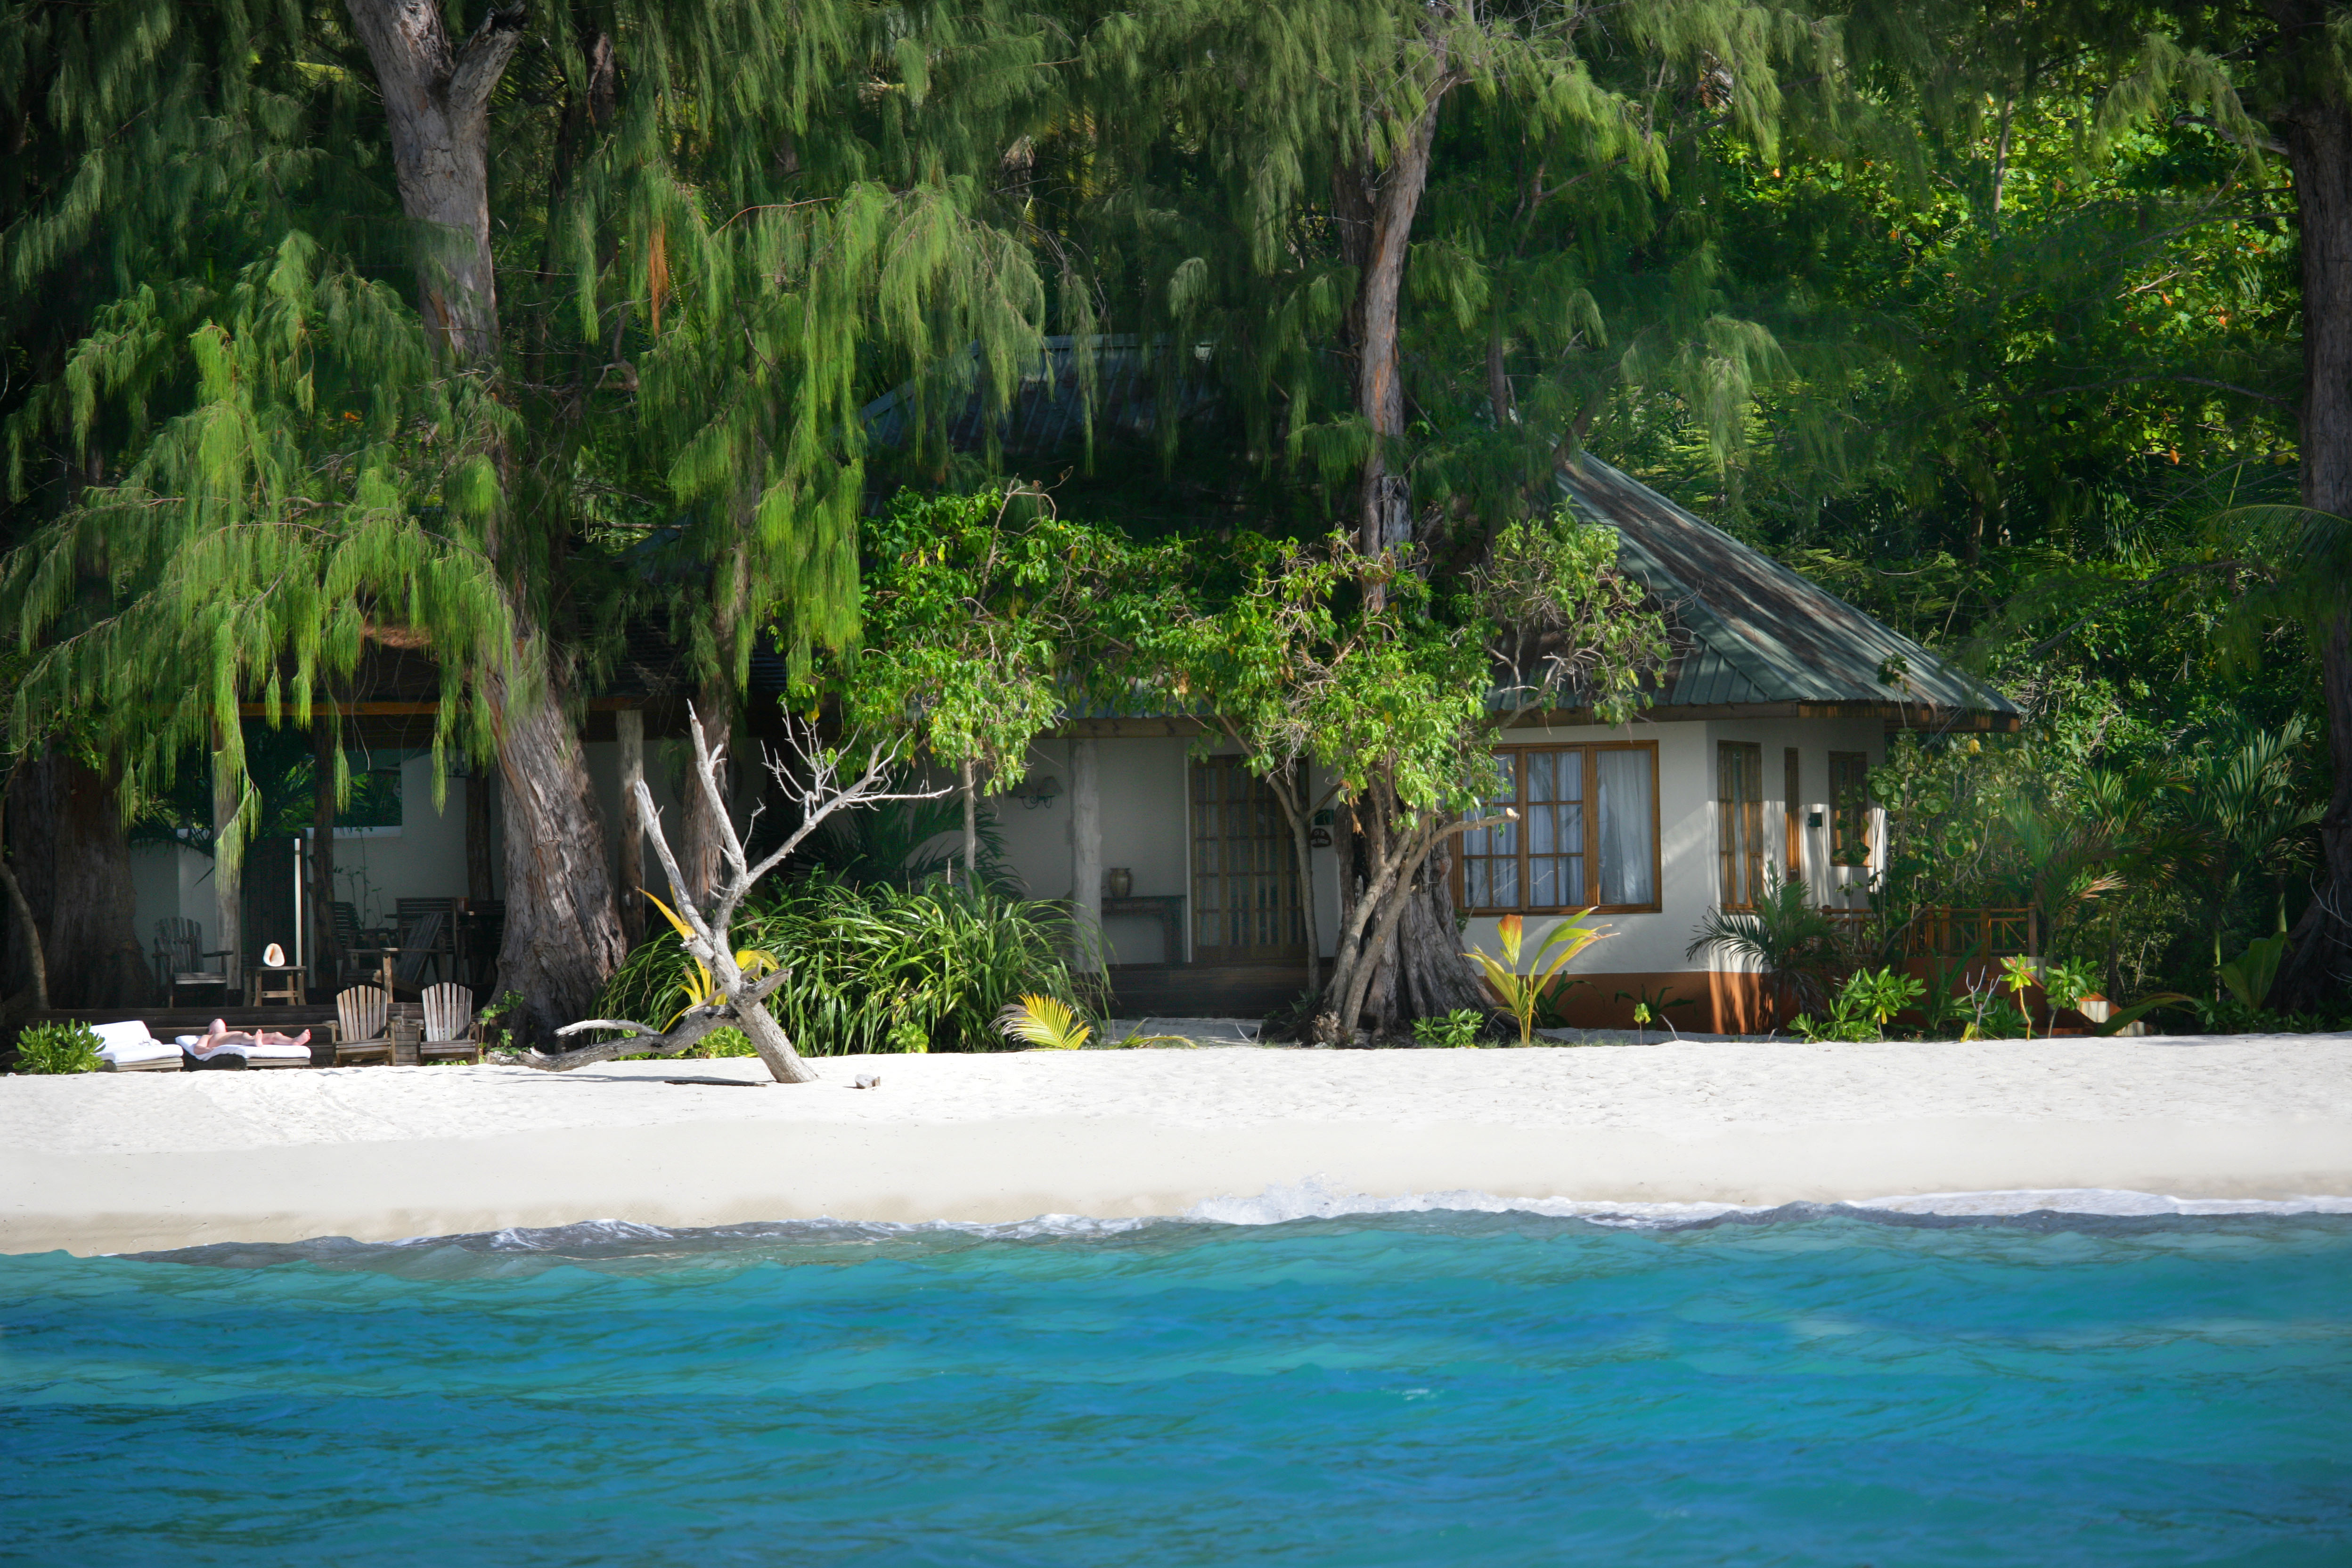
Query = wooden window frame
x=1750 y=755
x=1792 y=812
x=1591 y=759
x=1283 y=870
x=1845 y=825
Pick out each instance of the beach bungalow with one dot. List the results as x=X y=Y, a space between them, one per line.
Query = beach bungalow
x=1756 y=755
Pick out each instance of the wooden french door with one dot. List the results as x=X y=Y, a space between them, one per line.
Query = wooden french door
x=1245 y=870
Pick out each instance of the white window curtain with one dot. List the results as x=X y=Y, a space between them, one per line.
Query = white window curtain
x=1629 y=786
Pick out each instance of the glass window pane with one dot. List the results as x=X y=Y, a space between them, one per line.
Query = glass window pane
x=1628 y=788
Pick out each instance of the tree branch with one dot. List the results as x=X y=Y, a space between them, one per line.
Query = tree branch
x=483 y=61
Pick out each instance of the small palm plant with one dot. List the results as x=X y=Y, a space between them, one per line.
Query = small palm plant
x=1519 y=994
x=1044 y=1021
x=1785 y=935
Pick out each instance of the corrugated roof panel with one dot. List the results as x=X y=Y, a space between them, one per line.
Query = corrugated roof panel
x=1791 y=639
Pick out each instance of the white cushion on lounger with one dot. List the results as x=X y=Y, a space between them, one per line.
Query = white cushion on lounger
x=129 y=1041
x=250 y=1053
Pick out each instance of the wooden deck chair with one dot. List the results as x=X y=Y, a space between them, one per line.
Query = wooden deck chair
x=412 y=913
x=419 y=944
x=449 y=1029
x=182 y=958
x=362 y=1018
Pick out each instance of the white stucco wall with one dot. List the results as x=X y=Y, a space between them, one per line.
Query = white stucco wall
x=1145 y=828
x=1655 y=943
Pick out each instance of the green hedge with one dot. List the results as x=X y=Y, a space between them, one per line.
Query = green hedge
x=873 y=969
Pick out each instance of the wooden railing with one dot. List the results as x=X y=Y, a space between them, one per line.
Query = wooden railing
x=1947 y=931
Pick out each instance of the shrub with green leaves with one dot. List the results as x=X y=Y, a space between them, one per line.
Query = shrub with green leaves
x=876 y=969
x=57 y=1047
x=1457 y=1030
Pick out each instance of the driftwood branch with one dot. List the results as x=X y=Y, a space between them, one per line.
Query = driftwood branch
x=737 y=1001
x=642 y=1040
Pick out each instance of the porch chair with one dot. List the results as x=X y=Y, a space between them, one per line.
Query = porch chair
x=420 y=943
x=411 y=915
x=180 y=959
x=355 y=965
x=361 y=1016
x=450 y=1031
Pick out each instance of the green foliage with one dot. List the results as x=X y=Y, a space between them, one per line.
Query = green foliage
x=1521 y=992
x=1863 y=1008
x=2248 y=975
x=875 y=969
x=2121 y=862
x=57 y=1048
x=1454 y=1031
x=501 y=1020
x=1879 y=996
x=2066 y=984
x=1650 y=1008
x=1786 y=936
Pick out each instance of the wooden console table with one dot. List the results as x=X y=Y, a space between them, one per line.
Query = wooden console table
x=282 y=986
x=1168 y=908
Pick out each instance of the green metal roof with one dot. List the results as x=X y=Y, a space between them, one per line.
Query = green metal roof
x=1754 y=631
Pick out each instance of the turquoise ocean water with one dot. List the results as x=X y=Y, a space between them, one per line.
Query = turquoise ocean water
x=1801 y=1387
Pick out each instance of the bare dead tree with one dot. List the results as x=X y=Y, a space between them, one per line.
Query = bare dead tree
x=740 y=1002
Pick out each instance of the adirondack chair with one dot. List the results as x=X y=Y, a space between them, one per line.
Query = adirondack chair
x=419 y=944
x=450 y=1031
x=181 y=958
x=363 y=1016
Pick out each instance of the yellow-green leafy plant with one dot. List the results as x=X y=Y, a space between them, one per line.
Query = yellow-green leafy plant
x=1044 y=1021
x=1521 y=994
x=698 y=988
x=1457 y=1030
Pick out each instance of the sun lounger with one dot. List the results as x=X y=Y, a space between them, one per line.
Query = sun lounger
x=128 y=1046
x=253 y=1055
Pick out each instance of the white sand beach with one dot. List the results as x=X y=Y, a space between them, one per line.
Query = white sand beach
x=116 y=1162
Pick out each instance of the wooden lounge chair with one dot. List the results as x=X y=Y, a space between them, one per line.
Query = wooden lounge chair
x=128 y=1046
x=450 y=1031
x=182 y=958
x=363 y=1015
x=419 y=944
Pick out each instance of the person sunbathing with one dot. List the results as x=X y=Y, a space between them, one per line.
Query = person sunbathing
x=220 y=1034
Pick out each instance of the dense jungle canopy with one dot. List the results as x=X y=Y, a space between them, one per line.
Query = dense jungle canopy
x=489 y=331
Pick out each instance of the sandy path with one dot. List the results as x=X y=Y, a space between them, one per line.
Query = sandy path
x=109 y=1162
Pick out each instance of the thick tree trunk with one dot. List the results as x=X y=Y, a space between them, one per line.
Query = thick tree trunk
x=629 y=729
x=73 y=867
x=25 y=932
x=972 y=825
x=482 y=802
x=228 y=868
x=1383 y=499
x=1437 y=979
x=437 y=98
x=2318 y=137
x=563 y=931
x=328 y=963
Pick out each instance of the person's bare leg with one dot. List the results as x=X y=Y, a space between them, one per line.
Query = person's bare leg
x=270 y=1038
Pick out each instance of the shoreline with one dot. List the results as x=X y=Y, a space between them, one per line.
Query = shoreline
x=129 y=1163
